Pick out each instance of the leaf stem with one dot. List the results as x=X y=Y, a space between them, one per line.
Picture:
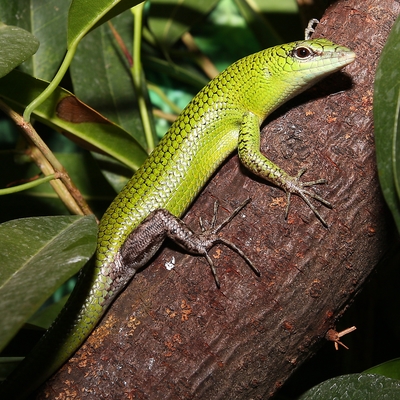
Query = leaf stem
x=137 y=74
x=52 y=85
x=28 y=185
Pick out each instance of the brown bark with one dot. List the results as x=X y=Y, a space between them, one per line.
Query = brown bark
x=174 y=335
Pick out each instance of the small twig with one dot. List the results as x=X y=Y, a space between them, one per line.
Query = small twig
x=310 y=28
x=334 y=336
x=167 y=116
x=164 y=98
x=121 y=44
x=49 y=165
x=204 y=62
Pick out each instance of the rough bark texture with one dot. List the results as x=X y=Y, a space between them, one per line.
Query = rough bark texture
x=174 y=335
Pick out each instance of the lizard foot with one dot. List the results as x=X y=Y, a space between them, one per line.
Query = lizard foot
x=295 y=186
x=210 y=236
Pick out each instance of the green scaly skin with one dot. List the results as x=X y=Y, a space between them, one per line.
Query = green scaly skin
x=223 y=116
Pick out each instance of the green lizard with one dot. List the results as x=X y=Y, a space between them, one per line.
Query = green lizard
x=225 y=115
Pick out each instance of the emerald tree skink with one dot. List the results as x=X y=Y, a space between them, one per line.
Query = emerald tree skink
x=224 y=116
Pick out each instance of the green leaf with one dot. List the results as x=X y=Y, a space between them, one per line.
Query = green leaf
x=16 y=45
x=7 y=364
x=355 y=387
x=47 y=20
x=85 y=15
x=170 y=19
x=390 y=369
x=44 y=318
x=19 y=89
x=263 y=30
x=38 y=255
x=113 y=95
x=387 y=121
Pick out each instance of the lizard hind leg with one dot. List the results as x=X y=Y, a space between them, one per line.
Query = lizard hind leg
x=141 y=244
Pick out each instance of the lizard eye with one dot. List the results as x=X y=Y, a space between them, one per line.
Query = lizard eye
x=302 y=53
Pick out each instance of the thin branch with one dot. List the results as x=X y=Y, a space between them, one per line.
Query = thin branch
x=49 y=165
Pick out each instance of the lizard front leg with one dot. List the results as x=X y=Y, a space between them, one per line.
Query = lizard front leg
x=252 y=158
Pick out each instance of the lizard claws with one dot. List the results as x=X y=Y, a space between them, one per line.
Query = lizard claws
x=213 y=231
x=297 y=187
